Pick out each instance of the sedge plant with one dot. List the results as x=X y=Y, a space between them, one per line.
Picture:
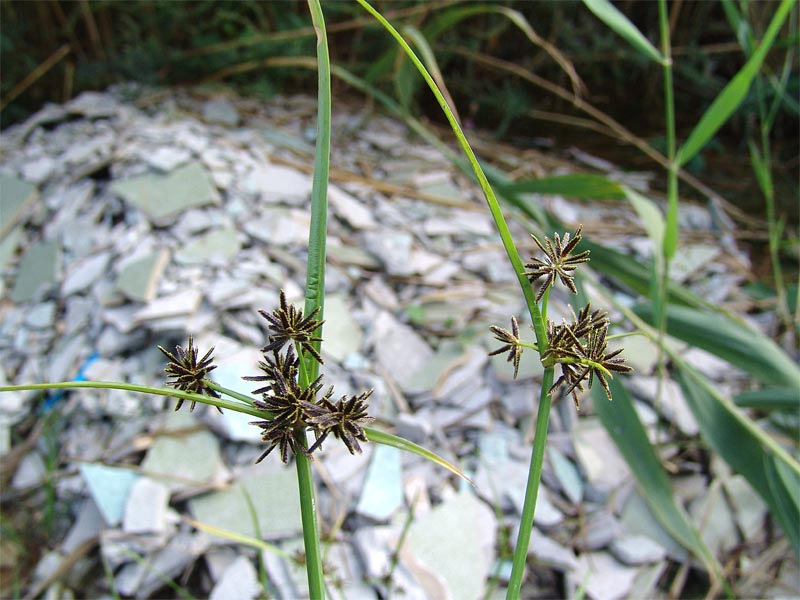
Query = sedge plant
x=579 y=348
x=291 y=406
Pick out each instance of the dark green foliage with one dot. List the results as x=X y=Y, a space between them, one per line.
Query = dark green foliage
x=189 y=42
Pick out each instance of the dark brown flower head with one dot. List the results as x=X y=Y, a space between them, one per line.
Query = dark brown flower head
x=188 y=373
x=344 y=420
x=582 y=358
x=511 y=343
x=557 y=261
x=288 y=401
x=572 y=377
x=286 y=365
x=606 y=363
x=287 y=324
x=279 y=437
x=588 y=320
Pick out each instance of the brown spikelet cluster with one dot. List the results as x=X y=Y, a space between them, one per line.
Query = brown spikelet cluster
x=579 y=348
x=291 y=406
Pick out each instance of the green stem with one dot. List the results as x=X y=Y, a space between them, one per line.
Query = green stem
x=671 y=230
x=142 y=389
x=308 y=515
x=228 y=392
x=520 y=553
x=315 y=294
x=532 y=489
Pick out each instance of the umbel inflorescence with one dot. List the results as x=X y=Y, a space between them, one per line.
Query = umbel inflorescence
x=291 y=408
x=579 y=347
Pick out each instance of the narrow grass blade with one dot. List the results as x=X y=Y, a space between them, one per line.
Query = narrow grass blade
x=622 y=422
x=387 y=439
x=450 y=18
x=619 y=23
x=770 y=399
x=142 y=389
x=486 y=188
x=650 y=215
x=742 y=346
x=744 y=447
x=579 y=185
x=238 y=538
x=429 y=58
x=732 y=94
x=318 y=231
x=654 y=225
x=315 y=291
x=784 y=484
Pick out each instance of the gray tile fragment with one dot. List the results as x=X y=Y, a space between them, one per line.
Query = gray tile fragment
x=222 y=111
x=16 y=197
x=85 y=273
x=636 y=550
x=36 y=272
x=164 y=197
x=238 y=582
x=146 y=507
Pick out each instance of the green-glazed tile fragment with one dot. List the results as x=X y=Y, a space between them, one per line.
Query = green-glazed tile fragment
x=274 y=497
x=36 y=269
x=163 y=197
x=215 y=247
x=138 y=280
x=15 y=196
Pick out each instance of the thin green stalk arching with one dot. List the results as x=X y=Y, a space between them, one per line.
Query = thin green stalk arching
x=491 y=199
x=537 y=457
x=142 y=389
x=232 y=393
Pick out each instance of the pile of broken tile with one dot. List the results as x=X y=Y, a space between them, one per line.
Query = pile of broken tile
x=134 y=217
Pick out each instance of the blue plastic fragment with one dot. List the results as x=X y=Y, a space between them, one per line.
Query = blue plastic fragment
x=57 y=396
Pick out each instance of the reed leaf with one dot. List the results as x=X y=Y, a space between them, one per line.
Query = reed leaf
x=620 y=24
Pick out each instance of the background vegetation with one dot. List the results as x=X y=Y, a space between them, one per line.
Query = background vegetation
x=50 y=51
x=528 y=74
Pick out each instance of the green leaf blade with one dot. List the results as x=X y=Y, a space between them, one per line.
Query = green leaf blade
x=734 y=93
x=621 y=25
x=381 y=437
x=739 y=442
x=622 y=422
x=743 y=347
x=584 y=186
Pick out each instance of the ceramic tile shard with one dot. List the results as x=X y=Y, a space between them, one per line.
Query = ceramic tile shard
x=110 y=488
x=163 y=197
x=36 y=272
x=217 y=247
x=399 y=349
x=138 y=279
x=222 y=111
x=146 y=507
x=176 y=305
x=382 y=493
x=84 y=273
x=603 y=576
x=16 y=197
x=342 y=333
x=273 y=494
x=238 y=582
x=454 y=545
x=276 y=184
x=184 y=460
